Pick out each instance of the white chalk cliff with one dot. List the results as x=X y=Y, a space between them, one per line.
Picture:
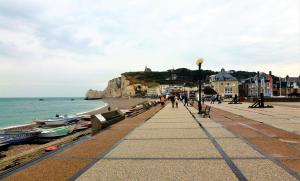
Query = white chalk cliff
x=118 y=87
x=94 y=94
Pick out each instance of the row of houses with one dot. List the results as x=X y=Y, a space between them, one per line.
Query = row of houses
x=227 y=86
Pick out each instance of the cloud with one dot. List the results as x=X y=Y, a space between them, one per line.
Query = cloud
x=87 y=43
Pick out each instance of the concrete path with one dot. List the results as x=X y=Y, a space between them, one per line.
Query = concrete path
x=282 y=117
x=176 y=144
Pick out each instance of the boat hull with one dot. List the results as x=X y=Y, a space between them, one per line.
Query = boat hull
x=55 y=132
x=17 y=137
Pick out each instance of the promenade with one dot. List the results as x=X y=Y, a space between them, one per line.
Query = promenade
x=285 y=116
x=176 y=144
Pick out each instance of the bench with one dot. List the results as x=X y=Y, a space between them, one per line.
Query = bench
x=206 y=111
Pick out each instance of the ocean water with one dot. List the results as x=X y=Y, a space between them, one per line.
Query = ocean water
x=18 y=111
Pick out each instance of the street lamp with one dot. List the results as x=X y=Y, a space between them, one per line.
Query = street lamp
x=199 y=62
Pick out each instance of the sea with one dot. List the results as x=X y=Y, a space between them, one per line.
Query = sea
x=21 y=111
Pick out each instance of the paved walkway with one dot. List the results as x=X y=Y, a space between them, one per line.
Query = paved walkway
x=282 y=117
x=172 y=145
x=277 y=144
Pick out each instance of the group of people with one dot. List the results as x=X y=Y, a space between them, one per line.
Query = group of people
x=174 y=100
x=185 y=99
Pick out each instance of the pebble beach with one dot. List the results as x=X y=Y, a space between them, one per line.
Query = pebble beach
x=113 y=103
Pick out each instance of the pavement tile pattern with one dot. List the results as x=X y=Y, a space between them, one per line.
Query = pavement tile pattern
x=282 y=117
x=266 y=129
x=178 y=144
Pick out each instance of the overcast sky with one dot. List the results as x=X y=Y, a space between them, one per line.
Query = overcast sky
x=65 y=47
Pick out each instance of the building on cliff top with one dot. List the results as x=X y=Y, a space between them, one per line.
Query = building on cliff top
x=147 y=69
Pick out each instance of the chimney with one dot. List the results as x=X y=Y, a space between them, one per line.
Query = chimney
x=270 y=72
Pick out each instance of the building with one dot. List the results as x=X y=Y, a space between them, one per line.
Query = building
x=147 y=69
x=153 y=91
x=287 y=86
x=254 y=86
x=224 y=84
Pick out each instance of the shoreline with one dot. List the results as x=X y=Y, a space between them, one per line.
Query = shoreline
x=30 y=125
x=20 y=149
x=113 y=103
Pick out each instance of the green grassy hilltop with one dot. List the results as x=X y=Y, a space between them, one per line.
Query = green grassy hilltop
x=177 y=76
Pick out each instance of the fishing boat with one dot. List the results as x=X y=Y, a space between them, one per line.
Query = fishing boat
x=51 y=132
x=58 y=121
x=15 y=137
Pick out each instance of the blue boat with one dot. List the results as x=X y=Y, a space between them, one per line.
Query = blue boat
x=60 y=121
x=16 y=137
x=5 y=141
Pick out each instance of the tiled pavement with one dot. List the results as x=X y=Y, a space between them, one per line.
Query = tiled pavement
x=281 y=116
x=176 y=144
x=281 y=145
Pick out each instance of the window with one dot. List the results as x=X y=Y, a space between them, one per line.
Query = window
x=228 y=90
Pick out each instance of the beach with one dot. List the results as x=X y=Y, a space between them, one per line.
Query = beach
x=117 y=103
x=114 y=103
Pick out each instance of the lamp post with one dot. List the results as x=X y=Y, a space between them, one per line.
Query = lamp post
x=199 y=62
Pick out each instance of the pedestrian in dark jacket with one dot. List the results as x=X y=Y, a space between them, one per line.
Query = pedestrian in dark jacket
x=172 y=99
x=185 y=100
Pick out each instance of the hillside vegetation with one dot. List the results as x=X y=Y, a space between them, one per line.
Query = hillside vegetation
x=181 y=76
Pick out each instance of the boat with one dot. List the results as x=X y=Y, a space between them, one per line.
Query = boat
x=5 y=141
x=16 y=137
x=50 y=132
x=81 y=125
x=58 y=121
x=62 y=120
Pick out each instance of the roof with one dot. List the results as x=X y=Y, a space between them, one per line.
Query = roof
x=293 y=79
x=223 y=75
x=261 y=75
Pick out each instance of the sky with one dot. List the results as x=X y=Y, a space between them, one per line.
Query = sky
x=63 y=48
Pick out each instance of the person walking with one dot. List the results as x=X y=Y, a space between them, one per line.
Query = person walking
x=176 y=102
x=185 y=100
x=219 y=99
x=212 y=99
x=203 y=99
x=162 y=100
x=235 y=99
x=172 y=98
